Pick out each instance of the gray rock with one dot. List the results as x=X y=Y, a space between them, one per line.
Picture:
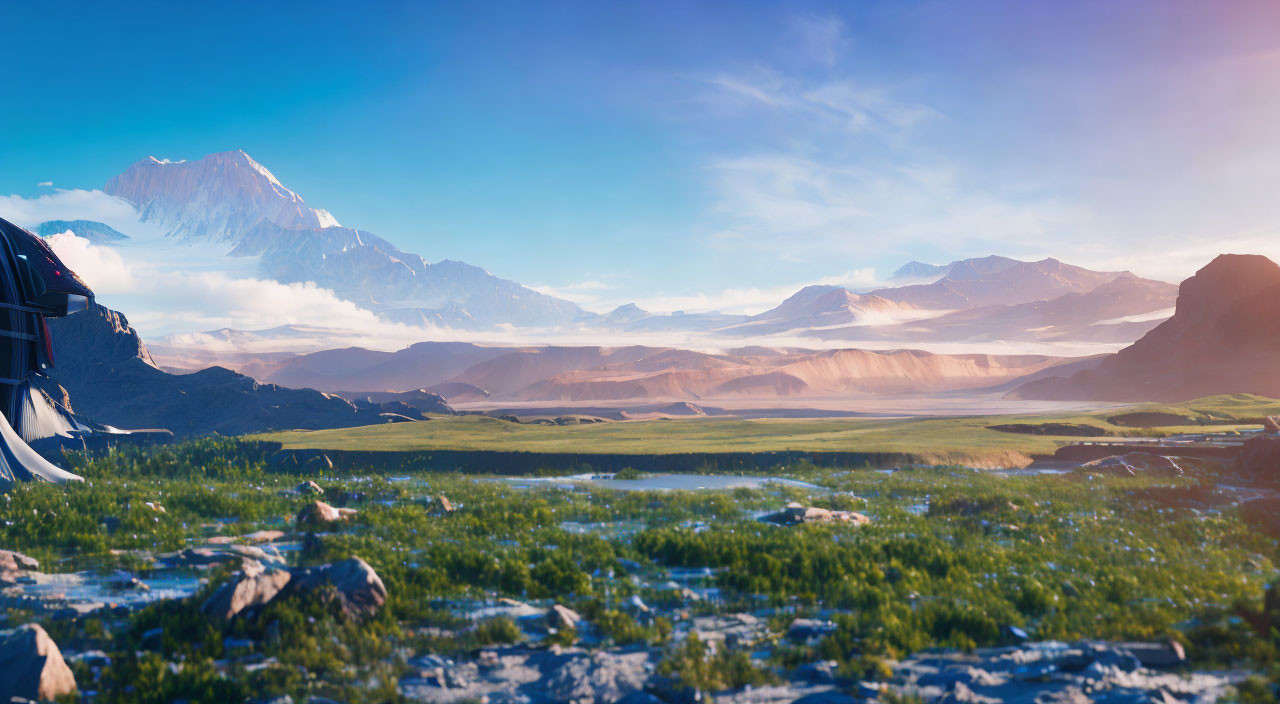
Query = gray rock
x=597 y=678
x=359 y=589
x=31 y=666
x=252 y=587
x=111 y=378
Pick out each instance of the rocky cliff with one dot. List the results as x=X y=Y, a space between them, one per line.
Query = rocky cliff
x=1224 y=337
x=110 y=378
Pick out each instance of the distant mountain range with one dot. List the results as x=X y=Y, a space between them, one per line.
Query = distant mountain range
x=1223 y=338
x=463 y=372
x=230 y=198
x=988 y=299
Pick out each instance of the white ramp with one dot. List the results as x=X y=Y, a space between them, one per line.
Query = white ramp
x=18 y=462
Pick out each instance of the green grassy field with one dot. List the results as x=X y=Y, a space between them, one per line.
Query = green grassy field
x=940 y=440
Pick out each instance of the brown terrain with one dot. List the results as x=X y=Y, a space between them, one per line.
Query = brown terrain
x=467 y=373
x=1223 y=338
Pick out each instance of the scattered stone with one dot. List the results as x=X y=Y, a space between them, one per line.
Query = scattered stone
x=795 y=514
x=318 y=514
x=31 y=666
x=1057 y=673
x=561 y=617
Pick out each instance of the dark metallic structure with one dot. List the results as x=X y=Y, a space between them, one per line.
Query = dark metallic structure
x=34 y=286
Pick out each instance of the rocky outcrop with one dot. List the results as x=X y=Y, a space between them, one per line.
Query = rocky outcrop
x=1221 y=339
x=14 y=565
x=110 y=378
x=250 y=588
x=358 y=589
x=355 y=586
x=31 y=666
x=318 y=514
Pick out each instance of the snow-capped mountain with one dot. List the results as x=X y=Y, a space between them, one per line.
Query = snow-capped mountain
x=229 y=197
x=217 y=198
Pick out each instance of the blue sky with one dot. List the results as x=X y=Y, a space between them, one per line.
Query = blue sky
x=687 y=155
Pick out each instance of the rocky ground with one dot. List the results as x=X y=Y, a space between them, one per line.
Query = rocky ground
x=941 y=585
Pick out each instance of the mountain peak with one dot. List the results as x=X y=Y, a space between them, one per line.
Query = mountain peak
x=217 y=198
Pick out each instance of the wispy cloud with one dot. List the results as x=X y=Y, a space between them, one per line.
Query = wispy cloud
x=840 y=168
x=70 y=204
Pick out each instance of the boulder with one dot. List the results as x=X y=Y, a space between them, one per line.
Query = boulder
x=318 y=514
x=31 y=666
x=359 y=590
x=251 y=587
x=593 y=678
